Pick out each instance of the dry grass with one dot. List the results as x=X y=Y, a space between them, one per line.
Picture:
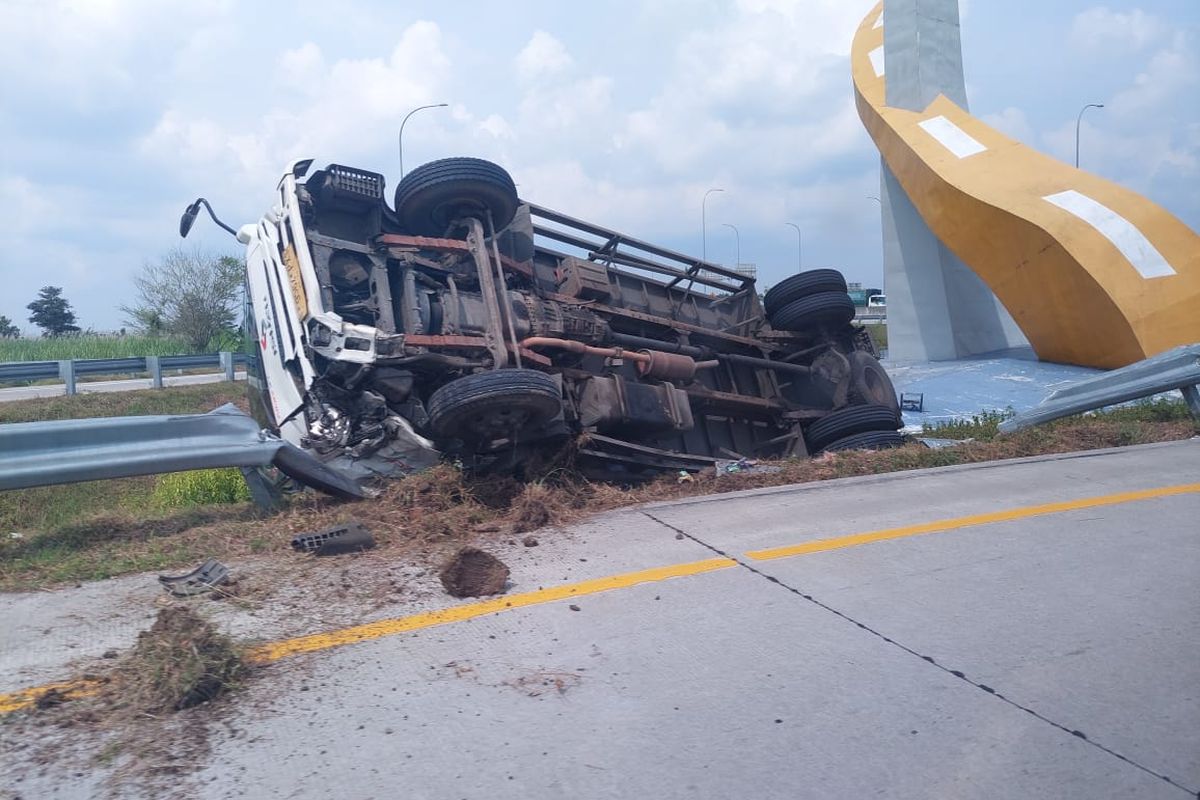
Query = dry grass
x=180 y=662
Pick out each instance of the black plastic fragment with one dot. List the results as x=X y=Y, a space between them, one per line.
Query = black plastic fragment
x=203 y=578
x=350 y=537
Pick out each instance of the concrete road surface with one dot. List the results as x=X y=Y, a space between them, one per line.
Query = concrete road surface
x=58 y=390
x=1025 y=629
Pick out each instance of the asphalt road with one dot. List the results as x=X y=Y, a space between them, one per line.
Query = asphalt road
x=1016 y=630
x=58 y=390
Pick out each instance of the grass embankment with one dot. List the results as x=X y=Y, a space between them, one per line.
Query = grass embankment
x=59 y=348
x=97 y=530
x=54 y=524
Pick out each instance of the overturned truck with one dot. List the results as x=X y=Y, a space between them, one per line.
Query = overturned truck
x=465 y=319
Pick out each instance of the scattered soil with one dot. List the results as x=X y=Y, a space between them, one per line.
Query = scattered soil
x=474 y=573
x=148 y=718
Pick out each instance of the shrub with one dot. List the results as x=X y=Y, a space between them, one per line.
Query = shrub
x=201 y=488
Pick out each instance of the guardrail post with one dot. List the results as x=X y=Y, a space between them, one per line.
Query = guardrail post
x=66 y=371
x=1192 y=395
x=227 y=364
x=154 y=367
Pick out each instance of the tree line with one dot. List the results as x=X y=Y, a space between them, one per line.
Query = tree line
x=187 y=293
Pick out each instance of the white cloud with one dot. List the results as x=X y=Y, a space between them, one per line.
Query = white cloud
x=542 y=56
x=317 y=108
x=1103 y=31
x=1172 y=75
x=1011 y=122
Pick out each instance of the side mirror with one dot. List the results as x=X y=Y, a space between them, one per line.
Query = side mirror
x=191 y=212
x=188 y=219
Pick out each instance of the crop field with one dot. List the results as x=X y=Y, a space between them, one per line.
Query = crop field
x=90 y=346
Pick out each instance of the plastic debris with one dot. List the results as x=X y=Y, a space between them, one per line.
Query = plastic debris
x=744 y=466
x=350 y=537
x=202 y=579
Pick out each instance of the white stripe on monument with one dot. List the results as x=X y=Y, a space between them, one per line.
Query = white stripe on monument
x=1136 y=248
x=876 y=56
x=952 y=137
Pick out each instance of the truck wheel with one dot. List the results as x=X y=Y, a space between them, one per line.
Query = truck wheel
x=824 y=309
x=869 y=383
x=433 y=195
x=871 y=440
x=802 y=285
x=849 y=421
x=492 y=405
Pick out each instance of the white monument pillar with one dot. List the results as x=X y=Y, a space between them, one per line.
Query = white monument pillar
x=938 y=309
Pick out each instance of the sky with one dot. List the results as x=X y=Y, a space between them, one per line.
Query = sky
x=115 y=114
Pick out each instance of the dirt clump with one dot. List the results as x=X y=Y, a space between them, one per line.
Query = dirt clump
x=472 y=572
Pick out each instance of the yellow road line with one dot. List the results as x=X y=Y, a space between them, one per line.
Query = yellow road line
x=263 y=654
x=389 y=627
x=24 y=698
x=938 y=526
x=374 y=630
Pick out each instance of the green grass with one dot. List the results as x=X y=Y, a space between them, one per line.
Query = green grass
x=982 y=427
x=74 y=531
x=172 y=400
x=200 y=488
x=985 y=427
x=91 y=346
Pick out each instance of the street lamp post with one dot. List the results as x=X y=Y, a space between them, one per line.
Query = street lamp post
x=1078 y=119
x=400 y=137
x=704 y=225
x=799 y=247
x=738 y=240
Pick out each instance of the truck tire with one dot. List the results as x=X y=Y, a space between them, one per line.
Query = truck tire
x=871 y=440
x=802 y=285
x=433 y=195
x=823 y=309
x=491 y=405
x=869 y=383
x=849 y=421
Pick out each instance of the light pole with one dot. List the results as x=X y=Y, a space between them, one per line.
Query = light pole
x=704 y=225
x=738 y=239
x=1077 y=121
x=799 y=247
x=400 y=137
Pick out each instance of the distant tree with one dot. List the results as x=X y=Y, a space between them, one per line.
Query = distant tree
x=52 y=313
x=7 y=329
x=188 y=293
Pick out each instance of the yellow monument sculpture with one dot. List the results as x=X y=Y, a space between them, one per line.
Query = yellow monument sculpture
x=1093 y=274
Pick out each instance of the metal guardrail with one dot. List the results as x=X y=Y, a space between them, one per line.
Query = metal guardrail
x=1178 y=368
x=72 y=450
x=67 y=371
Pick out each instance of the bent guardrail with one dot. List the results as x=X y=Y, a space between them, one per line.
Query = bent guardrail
x=70 y=369
x=74 y=450
x=1178 y=368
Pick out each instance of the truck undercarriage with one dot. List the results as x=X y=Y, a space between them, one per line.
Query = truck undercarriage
x=466 y=319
